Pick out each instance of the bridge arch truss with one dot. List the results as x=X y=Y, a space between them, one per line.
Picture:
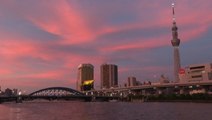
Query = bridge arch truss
x=57 y=91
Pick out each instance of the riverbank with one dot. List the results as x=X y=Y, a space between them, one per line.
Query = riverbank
x=197 y=98
x=192 y=101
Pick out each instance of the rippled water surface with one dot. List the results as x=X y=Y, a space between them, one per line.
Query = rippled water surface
x=105 y=111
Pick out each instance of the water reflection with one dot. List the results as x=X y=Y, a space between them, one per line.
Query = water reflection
x=15 y=113
x=105 y=111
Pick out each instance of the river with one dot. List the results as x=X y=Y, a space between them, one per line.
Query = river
x=105 y=111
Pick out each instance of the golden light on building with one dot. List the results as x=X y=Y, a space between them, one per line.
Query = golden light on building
x=88 y=82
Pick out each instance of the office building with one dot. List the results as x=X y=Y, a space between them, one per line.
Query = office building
x=85 y=79
x=196 y=73
x=109 y=76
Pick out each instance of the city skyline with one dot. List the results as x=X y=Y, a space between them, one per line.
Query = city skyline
x=42 y=43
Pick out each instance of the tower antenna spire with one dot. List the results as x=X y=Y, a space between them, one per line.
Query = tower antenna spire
x=173 y=13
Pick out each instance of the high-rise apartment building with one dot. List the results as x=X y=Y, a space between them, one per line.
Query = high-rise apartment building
x=175 y=43
x=109 y=76
x=85 y=80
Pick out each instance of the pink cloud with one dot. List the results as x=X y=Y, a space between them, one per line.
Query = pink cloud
x=143 y=44
x=67 y=23
x=13 y=49
x=4 y=72
x=72 y=26
x=189 y=35
x=50 y=74
x=199 y=28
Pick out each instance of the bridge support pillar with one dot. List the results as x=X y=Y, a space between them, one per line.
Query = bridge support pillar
x=1 y=101
x=143 y=92
x=182 y=91
x=159 y=91
x=19 y=99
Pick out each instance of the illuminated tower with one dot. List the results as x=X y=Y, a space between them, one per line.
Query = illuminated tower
x=175 y=43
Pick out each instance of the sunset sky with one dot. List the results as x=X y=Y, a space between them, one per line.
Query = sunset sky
x=42 y=42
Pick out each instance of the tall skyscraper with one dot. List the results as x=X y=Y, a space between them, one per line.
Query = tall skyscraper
x=109 y=76
x=85 y=80
x=175 y=43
